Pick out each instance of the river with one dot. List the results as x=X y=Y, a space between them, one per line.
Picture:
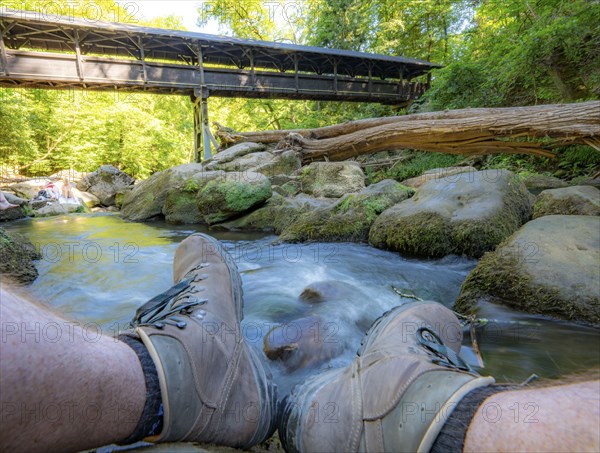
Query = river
x=98 y=269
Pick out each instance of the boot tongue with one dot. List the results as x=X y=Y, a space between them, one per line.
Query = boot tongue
x=386 y=382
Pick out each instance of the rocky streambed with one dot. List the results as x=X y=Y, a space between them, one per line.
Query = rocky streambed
x=538 y=254
x=322 y=255
x=455 y=211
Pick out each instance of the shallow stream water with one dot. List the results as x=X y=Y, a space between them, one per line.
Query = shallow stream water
x=98 y=269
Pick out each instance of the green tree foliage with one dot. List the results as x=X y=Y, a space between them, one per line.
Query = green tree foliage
x=524 y=52
x=497 y=53
x=425 y=29
x=45 y=131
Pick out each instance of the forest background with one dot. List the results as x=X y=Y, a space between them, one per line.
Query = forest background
x=496 y=53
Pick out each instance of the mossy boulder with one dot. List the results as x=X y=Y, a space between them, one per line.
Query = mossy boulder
x=245 y=162
x=436 y=173
x=332 y=179
x=469 y=214
x=12 y=213
x=286 y=163
x=16 y=257
x=277 y=213
x=288 y=189
x=232 y=153
x=232 y=195
x=575 y=200
x=104 y=183
x=147 y=199
x=536 y=183
x=349 y=218
x=549 y=266
x=181 y=205
x=585 y=181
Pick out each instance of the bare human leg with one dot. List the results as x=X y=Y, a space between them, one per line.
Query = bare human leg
x=66 y=388
x=4 y=204
x=559 y=418
x=63 y=387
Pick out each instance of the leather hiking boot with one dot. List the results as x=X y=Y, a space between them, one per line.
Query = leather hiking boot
x=397 y=394
x=213 y=386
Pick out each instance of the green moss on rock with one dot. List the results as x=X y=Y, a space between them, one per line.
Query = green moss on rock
x=16 y=257
x=332 y=179
x=576 y=200
x=350 y=218
x=545 y=268
x=234 y=194
x=470 y=214
x=422 y=234
x=181 y=207
x=147 y=199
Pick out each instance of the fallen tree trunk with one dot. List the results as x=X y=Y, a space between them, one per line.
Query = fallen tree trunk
x=467 y=131
x=229 y=137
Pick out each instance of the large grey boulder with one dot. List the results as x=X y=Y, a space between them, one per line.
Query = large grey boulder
x=147 y=199
x=104 y=183
x=349 y=218
x=229 y=154
x=332 y=179
x=284 y=164
x=16 y=257
x=549 y=266
x=575 y=200
x=232 y=195
x=277 y=213
x=536 y=183
x=28 y=189
x=470 y=214
x=13 y=199
x=246 y=162
x=13 y=213
x=436 y=173
x=55 y=208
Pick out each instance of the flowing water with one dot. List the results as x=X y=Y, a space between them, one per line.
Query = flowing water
x=98 y=269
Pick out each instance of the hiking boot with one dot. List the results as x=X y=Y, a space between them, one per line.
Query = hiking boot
x=214 y=388
x=396 y=395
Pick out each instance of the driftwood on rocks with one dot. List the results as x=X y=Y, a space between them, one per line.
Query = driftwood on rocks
x=467 y=132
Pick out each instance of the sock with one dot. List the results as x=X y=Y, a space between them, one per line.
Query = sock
x=453 y=434
x=151 y=421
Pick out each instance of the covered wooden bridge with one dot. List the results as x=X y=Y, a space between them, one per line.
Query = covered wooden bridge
x=63 y=52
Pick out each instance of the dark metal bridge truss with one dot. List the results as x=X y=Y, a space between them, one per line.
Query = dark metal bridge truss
x=68 y=52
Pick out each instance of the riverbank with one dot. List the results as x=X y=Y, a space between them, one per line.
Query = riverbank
x=457 y=210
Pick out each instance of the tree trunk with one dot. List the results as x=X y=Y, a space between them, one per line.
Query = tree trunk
x=466 y=131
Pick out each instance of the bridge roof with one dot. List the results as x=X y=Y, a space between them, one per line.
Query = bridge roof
x=27 y=29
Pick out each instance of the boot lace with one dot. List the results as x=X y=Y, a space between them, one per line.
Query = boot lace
x=442 y=355
x=180 y=299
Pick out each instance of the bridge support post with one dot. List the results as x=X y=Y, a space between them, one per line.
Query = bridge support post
x=203 y=138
